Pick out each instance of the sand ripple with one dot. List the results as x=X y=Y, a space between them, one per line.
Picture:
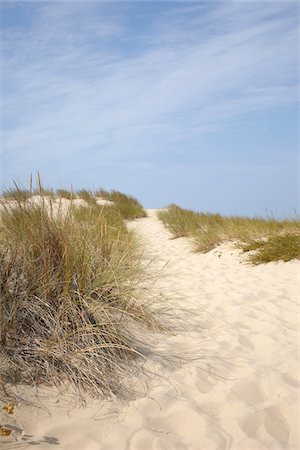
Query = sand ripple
x=238 y=387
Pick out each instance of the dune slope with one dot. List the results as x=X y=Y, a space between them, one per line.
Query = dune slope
x=237 y=386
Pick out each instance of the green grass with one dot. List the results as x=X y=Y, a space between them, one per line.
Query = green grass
x=43 y=192
x=87 y=196
x=210 y=230
x=16 y=194
x=128 y=206
x=64 y=193
x=19 y=194
x=275 y=248
x=70 y=305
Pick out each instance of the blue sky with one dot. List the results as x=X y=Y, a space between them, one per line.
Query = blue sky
x=189 y=102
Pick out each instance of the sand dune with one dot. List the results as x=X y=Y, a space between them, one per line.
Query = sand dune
x=56 y=204
x=237 y=386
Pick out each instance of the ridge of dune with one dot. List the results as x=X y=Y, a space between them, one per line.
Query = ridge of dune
x=55 y=203
x=237 y=388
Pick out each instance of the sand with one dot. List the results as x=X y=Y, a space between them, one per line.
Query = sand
x=56 y=204
x=237 y=386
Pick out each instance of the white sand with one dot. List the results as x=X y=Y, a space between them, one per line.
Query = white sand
x=239 y=385
x=56 y=204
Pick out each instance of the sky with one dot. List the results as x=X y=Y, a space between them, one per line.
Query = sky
x=193 y=103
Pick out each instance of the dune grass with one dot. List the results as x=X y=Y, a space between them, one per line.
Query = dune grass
x=210 y=230
x=87 y=196
x=44 y=192
x=275 y=248
x=70 y=306
x=16 y=194
x=64 y=193
x=128 y=206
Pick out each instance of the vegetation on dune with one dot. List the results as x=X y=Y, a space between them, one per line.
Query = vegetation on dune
x=87 y=196
x=70 y=303
x=278 y=247
x=64 y=193
x=273 y=239
x=43 y=192
x=16 y=194
x=129 y=207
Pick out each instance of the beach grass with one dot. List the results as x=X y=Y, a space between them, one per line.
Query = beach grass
x=278 y=247
x=71 y=310
x=273 y=239
x=128 y=206
x=87 y=196
x=44 y=192
x=65 y=193
x=16 y=194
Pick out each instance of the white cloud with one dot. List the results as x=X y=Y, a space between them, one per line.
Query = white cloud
x=74 y=84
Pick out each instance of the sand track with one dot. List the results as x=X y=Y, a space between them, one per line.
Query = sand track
x=239 y=385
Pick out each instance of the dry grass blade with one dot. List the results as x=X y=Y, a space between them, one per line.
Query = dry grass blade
x=128 y=206
x=273 y=239
x=69 y=303
x=275 y=248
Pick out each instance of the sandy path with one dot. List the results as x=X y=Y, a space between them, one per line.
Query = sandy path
x=250 y=344
x=240 y=392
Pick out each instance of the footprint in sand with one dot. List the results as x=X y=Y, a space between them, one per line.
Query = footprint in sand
x=246 y=343
x=251 y=422
x=290 y=380
x=250 y=393
x=276 y=425
x=149 y=440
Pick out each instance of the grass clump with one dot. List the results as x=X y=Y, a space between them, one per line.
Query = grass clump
x=16 y=194
x=43 y=192
x=70 y=308
x=128 y=206
x=210 y=230
x=87 y=196
x=275 y=248
x=64 y=193
x=181 y=222
x=206 y=229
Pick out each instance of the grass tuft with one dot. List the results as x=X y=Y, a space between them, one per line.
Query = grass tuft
x=64 y=193
x=128 y=206
x=17 y=194
x=210 y=230
x=87 y=196
x=70 y=305
x=281 y=247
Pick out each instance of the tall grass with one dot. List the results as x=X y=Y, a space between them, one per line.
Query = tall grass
x=129 y=207
x=87 y=196
x=19 y=194
x=64 y=193
x=210 y=230
x=16 y=194
x=45 y=192
x=70 y=307
x=275 y=248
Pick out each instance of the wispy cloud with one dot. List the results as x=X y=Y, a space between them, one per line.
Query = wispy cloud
x=112 y=81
